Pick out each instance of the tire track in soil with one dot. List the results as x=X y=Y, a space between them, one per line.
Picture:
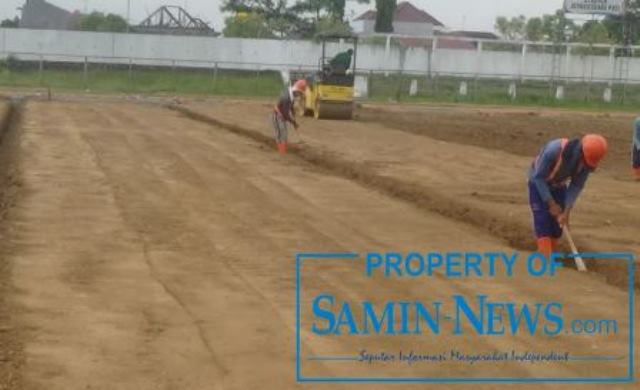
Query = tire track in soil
x=224 y=371
x=163 y=152
x=144 y=238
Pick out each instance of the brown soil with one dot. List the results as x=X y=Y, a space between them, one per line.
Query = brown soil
x=476 y=177
x=517 y=131
x=149 y=250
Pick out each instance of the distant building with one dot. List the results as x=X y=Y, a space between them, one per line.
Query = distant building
x=174 y=20
x=484 y=35
x=39 y=14
x=407 y=20
x=449 y=40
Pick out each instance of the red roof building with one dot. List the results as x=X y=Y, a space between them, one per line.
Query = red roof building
x=407 y=20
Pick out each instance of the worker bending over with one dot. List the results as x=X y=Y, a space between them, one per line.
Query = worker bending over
x=556 y=178
x=284 y=112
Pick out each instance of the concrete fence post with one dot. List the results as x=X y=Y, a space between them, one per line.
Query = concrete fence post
x=567 y=66
x=174 y=75
x=413 y=88
x=214 y=73
x=463 y=90
x=130 y=73
x=523 y=61
x=478 y=68
x=607 y=95
x=85 y=73
x=387 y=55
x=41 y=70
x=612 y=63
x=432 y=59
x=512 y=90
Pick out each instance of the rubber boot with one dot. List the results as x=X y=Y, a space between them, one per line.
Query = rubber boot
x=545 y=246
x=282 y=147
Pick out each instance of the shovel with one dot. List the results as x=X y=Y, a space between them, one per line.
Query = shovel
x=579 y=262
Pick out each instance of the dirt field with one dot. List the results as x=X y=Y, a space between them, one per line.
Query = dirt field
x=470 y=164
x=148 y=250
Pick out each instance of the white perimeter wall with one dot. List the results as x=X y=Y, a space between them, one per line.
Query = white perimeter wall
x=73 y=46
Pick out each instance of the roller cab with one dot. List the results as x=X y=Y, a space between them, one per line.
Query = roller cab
x=330 y=92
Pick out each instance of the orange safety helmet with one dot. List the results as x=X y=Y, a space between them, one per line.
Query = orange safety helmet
x=300 y=85
x=594 y=148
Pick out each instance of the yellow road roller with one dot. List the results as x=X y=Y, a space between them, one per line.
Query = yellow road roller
x=330 y=92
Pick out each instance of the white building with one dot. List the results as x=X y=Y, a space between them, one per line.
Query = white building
x=407 y=20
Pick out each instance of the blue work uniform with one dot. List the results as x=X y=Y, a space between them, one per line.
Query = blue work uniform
x=558 y=173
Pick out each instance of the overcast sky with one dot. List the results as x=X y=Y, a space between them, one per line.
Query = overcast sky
x=456 y=14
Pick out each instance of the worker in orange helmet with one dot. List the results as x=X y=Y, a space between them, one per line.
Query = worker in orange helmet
x=284 y=113
x=556 y=178
x=300 y=85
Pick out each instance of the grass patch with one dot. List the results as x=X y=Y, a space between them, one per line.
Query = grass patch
x=148 y=80
x=578 y=95
x=153 y=80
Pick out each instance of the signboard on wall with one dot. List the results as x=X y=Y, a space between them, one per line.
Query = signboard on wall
x=595 y=7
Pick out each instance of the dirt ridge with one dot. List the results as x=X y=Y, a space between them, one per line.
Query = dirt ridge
x=11 y=357
x=517 y=235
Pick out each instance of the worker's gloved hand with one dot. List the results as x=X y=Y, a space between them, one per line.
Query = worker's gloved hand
x=554 y=208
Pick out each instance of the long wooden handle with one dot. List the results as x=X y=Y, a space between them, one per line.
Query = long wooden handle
x=579 y=262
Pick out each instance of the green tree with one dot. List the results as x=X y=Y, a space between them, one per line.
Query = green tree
x=332 y=26
x=280 y=19
x=304 y=19
x=557 y=28
x=247 y=25
x=97 y=21
x=534 y=30
x=593 y=32
x=384 y=15
x=333 y=9
x=511 y=29
x=10 y=23
x=627 y=26
x=313 y=7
